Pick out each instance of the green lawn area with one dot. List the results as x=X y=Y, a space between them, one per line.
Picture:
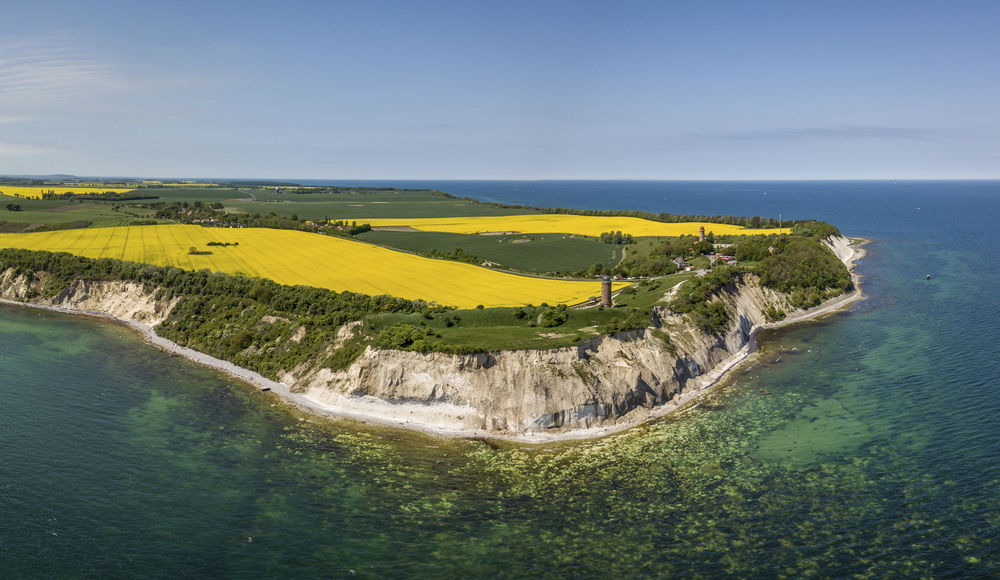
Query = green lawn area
x=527 y=253
x=699 y=262
x=650 y=292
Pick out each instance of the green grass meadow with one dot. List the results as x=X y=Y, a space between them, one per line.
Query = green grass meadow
x=497 y=328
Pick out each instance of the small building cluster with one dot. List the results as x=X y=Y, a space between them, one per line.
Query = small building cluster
x=215 y=223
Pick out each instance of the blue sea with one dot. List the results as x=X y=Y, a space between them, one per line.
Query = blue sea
x=863 y=445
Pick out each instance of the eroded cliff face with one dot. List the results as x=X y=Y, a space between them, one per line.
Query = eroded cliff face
x=840 y=246
x=601 y=382
x=121 y=299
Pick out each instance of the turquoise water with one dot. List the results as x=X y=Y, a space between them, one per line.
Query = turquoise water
x=862 y=445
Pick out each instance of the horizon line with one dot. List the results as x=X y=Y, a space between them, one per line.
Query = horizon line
x=65 y=176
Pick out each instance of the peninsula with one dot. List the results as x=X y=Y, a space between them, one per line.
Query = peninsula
x=465 y=354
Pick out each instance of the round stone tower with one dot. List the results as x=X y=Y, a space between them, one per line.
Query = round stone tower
x=606 y=292
x=702 y=239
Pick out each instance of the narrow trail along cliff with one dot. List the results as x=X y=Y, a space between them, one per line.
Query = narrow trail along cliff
x=604 y=384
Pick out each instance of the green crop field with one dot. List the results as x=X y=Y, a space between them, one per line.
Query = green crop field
x=262 y=200
x=32 y=204
x=190 y=194
x=59 y=212
x=528 y=253
x=360 y=206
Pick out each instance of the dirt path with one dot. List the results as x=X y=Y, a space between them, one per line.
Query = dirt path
x=624 y=255
x=394 y=229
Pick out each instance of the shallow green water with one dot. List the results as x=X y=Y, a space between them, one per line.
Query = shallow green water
x=863 y=445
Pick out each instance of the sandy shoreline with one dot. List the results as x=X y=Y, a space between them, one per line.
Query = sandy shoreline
x=247 y=376
x=681 y=401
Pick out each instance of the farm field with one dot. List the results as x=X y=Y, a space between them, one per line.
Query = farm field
x=360 y=206
x=537 y=253
x=561 y=223
x=63 y=214
x=191 y=194
x=38 y=190
x=58 y=211
x=298 y=258
x=41 y=205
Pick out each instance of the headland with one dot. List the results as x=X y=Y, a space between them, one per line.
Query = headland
x=601 y=386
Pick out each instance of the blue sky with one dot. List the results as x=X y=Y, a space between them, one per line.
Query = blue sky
x=501 y=90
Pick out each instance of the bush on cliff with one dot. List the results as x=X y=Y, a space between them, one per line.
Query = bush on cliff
x=805 y=268
x=554 y=316
x=402 y=336
x=698 y=297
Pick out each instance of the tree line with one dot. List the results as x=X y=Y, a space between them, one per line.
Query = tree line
x=617 y=238
x=186 y=213
x=99 y=196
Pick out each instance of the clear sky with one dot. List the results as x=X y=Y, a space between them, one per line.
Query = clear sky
x=501 y=90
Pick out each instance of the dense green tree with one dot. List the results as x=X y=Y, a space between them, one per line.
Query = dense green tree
x=554 y=316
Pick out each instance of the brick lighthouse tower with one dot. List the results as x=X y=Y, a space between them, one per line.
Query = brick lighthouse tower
x=702 y=238
x=606 y=292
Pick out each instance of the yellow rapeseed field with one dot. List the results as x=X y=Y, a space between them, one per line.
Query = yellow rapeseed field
x=560 y=223
x=37 y=190
x=291 y=257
